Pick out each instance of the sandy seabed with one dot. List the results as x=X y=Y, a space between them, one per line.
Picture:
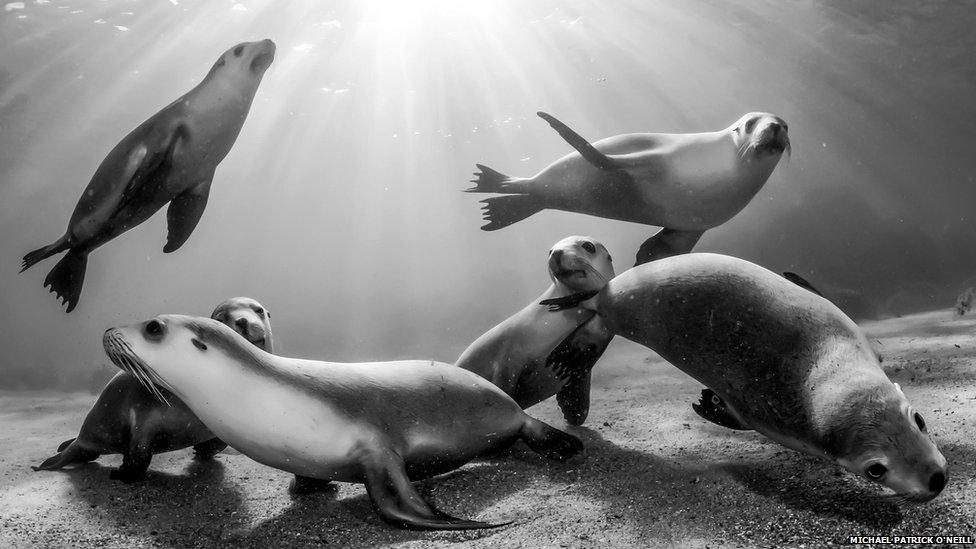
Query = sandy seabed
x=653 y=474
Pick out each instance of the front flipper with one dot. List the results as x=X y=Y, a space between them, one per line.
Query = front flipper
x=573 y=360
x=184 y=213
x=152 y=160
x=711 y=407
x=584 y=147
x=208 y=449
x=666 y=243
x=398 y=503
x=567 y=302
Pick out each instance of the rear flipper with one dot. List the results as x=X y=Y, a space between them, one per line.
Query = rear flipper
x=666 y=243
x=712 y=408
x=548 y=441
x=308 y=485
x=68 y=453
x=43 y=253
x=490 y=181
x=67 y=277
x=502 y=211
x=398 y=503
x=208 y=449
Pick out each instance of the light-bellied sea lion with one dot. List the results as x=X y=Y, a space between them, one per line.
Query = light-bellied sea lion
x=169 y=158
x=379 y=423
x=129 y=420
x=785 y=362
x=514 y=354
x=686 y=183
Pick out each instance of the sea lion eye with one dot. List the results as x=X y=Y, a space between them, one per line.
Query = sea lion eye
x=259 y=311
x=154 y=329
x=920 y=422
x=589 y=247
x=751 y=124
x=238 y=51
x=876 y=471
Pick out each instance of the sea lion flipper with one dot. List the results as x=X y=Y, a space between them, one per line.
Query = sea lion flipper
x=67 y=454
x=574 y=399
x=666 y=243
x=502 y=211
x=589 y=152
x=398 y=503
x=149 y=164
x=712 y=408
x=183 y=214
x=549 y=442
x=801 y=282
x=573 y=360
x=208 y=449
x=568 y=301
x=67 y=277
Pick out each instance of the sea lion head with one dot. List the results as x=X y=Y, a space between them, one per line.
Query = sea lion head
x=580 y=263
x=248 y=59
x=183 y=355
x=249 y=318
x=879 y=436
x=760 y=135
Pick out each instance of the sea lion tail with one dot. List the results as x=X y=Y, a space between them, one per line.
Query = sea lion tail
x=67 y=454
x=43 y=253
x=548 y=441
x=489 y=181
x=66 y=278
x=502 y=211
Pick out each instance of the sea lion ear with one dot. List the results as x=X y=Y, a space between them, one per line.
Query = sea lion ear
x=199 y=344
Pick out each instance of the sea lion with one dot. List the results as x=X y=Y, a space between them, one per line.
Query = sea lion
x=785 y=362
x=126 y=419
x=686 y=183
x=514 y=354
x=378 y=423
x=171 y=157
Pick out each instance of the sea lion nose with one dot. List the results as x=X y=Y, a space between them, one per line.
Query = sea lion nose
x=937 y=482
x=241 y=323
x=775 y=128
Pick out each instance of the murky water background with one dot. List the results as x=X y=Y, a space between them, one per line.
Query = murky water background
x=340 y=207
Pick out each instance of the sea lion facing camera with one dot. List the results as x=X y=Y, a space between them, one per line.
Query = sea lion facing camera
x=129 y=420
x=785 y=362
x=686 y=183
x=171 y=157
x=514 y=354
x=380 y=424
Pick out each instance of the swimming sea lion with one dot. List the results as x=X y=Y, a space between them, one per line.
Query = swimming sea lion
x=379 y=423
x=785 y=362
x=129 y=420
x=169 y=158
x=686 y=183
x=513 y=355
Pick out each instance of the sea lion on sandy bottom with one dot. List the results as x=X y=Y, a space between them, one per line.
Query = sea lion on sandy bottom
x=785 y=362
x=380 y=424
x=686 y=183
x=514 y=354
x=171 y=157
x=129 y=420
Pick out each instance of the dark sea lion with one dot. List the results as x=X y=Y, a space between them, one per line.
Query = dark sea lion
x=129 y=420
x=382 y=424
x=686 y=183
x=514 y=355
x=171 y=157
x=783 y=360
